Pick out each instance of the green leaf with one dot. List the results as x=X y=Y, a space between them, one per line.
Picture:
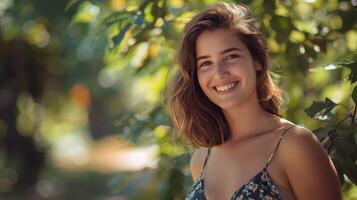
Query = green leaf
x=118 y=38
x=117 y=17
x=353 y=74
x=321 y=109
x=322 y=132
x=352 y=65
x=354 y=95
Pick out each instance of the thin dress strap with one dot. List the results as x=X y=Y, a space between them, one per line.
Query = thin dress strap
x=276 y=147
x=204 y=164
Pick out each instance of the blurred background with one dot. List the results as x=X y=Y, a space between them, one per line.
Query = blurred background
x=82 y=107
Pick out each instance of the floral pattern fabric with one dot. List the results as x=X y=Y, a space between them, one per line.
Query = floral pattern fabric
x=260 y=187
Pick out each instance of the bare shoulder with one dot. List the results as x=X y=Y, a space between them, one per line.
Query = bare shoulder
x=310 y=171
x=298 y=137
x=300 y=141
x=196 y=161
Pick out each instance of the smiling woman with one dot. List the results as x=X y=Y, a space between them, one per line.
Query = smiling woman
x=224 y=102
x=226 y=76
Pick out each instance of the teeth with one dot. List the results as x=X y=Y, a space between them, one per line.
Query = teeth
x=225 y=87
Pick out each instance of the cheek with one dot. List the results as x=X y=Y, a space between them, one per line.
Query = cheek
x=240 y=63
x=241 y=67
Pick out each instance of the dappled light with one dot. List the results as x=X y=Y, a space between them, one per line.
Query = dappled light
x=83 y=84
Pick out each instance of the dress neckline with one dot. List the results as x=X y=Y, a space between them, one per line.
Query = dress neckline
x=237 y=191
x=259 y=174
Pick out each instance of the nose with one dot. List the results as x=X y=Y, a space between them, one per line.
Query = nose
x=222 y=71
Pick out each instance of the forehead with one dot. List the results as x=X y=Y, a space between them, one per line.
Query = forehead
x=213 y=42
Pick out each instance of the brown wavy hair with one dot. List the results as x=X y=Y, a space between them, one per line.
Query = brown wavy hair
x=200 y=121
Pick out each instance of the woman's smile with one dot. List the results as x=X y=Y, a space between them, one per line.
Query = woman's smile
x=226 y=89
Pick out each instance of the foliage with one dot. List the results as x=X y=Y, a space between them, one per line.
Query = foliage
x=302 y=36
x=339 y=138
x=91 y=69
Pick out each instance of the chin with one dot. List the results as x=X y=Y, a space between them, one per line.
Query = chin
x=228 y=105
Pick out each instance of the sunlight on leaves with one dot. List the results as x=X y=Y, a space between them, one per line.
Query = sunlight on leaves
x=87 y=13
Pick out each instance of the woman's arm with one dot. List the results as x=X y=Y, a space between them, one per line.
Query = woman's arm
x=311 y=172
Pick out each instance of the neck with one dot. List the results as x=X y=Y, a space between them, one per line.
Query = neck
x=249 y=120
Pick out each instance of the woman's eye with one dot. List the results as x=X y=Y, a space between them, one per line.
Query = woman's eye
x=230 y=57
x=204 y=64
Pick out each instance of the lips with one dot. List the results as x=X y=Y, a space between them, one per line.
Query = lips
x=226 y=88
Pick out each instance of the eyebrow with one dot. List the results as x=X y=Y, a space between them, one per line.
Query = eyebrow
x=222 y=52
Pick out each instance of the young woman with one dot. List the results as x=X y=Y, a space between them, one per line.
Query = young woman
x=225 y=103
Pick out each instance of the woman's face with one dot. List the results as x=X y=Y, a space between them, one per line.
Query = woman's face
x=225 y=69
